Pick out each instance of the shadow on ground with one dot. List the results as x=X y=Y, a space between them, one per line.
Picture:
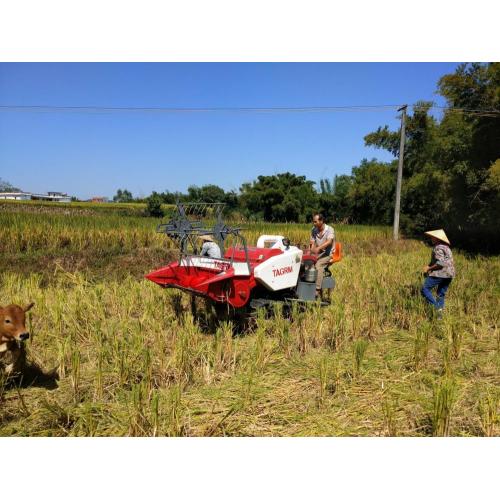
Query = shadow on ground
x=34 y=376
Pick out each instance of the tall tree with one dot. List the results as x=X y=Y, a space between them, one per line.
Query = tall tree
x=7 y=187
x=372 y=192
x=279 y=198
x=154 y=205
x=123 y=196
x=334 y=201
x=477 y=133
x=211 y=193
x=420 y=140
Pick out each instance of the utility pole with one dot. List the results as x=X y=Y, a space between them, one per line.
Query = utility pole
x=400 y=172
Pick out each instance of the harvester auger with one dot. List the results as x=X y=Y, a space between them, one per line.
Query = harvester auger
x=244 y=279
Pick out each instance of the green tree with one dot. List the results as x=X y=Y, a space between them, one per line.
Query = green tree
x=425 y=197
x=279 y=198
x=172 y=198
x=7 y=187
x=154 y=208
x=420 y=139
x=123 y=196
x=334 y=201
x=371 y=195
x=475 y=200
x=210 y=193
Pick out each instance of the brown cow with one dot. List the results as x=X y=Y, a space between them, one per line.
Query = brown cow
x=12 y=334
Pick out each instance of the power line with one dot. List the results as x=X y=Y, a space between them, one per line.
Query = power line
x=474 y=112
x=304 y=109
x=196 y=110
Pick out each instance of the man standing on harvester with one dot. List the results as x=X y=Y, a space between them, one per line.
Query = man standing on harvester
x=322 y=242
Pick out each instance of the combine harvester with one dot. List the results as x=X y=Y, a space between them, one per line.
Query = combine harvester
x=245 y=278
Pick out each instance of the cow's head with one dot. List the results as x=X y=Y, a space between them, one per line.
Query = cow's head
x=12 y=323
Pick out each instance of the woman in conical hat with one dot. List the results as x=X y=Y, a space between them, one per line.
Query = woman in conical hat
x=440 y=271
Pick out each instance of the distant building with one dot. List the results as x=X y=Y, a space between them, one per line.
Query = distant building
x=50 y=196
x=99 y=199
x=15 y=196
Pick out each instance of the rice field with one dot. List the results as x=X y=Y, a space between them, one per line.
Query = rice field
x=111 y=232
x=132 y=360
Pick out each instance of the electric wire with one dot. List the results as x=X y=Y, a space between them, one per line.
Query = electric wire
x=303 y=109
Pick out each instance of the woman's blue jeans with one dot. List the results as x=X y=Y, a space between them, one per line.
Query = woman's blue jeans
x=442 y=285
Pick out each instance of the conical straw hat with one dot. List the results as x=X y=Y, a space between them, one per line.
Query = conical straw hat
x=438 y=234
x=206 y=237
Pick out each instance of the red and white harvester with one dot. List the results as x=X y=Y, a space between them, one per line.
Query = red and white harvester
x=245 y=278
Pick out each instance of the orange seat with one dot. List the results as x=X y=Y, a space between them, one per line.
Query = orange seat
x=337 y=253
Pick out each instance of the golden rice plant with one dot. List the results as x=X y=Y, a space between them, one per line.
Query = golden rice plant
x=421 y=345
x=359 y=350
x=327 y=379
x=444 y=398
x=389 y=407
x=174 y=416
x=489 y=412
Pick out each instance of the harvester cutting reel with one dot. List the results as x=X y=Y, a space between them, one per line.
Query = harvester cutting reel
x=192 y=220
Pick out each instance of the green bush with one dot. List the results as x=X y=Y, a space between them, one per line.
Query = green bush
x=154 y=208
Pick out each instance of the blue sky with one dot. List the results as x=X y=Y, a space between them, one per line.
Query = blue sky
x=87 y=154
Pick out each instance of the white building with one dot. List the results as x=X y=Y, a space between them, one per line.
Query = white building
x=50 y=196
x=15 y=196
